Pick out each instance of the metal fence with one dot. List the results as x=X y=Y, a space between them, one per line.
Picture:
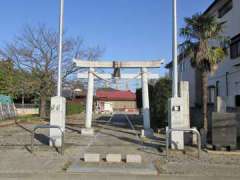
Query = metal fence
x=25 y=106
x=193 y=130
x=7 y=108
x=47 y=127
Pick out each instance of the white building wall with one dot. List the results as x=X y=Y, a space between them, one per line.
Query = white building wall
x=231 y=29
x=187 y=73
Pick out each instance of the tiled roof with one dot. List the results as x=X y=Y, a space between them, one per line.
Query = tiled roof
x=116 y=95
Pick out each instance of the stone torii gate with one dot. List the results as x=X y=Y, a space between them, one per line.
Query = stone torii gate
x=143 y=65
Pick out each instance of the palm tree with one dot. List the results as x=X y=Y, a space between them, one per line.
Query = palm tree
x=206 y=48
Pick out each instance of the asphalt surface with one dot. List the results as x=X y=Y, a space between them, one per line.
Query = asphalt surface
x=108 y=177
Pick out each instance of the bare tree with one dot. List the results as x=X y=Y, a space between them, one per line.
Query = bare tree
x=35 y=50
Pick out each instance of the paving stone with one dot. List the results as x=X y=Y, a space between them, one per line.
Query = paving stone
x=87 y=132
x=91 y=157
x=116 y=168
x=133 y=158
x=114 y=157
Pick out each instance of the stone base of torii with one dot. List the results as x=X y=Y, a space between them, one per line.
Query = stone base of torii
x=92 y=65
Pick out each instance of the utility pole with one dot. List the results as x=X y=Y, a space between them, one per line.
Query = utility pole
x=127 y=85
x=175 y=52
x=59 y=84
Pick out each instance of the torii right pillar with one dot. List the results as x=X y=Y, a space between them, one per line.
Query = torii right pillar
x=88 y=130
x=147 y=131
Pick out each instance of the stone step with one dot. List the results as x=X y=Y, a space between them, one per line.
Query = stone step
x=91 y=158
x=113 y=168
x=133 y=158
x=114 y=158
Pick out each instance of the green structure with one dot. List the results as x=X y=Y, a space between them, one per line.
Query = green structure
x=5 y=99
x=7 y=108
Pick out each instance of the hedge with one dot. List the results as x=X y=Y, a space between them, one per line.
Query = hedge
x=74 y=108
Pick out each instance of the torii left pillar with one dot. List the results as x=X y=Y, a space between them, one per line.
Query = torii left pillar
x=147 y=131
x=88 y=130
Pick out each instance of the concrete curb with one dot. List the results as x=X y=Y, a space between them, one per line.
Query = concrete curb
x=113 y=168
x=223 y=152
x=7 y=123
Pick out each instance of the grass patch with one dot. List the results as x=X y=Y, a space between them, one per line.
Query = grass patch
x=29 y=118
x=74 y=108
x=66 y=165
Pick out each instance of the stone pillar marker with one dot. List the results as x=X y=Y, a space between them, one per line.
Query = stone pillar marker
x=175 y=121
x=57 y=117
x=184 y=94
x=178 y=115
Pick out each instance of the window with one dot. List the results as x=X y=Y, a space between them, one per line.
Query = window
x=225 y=9
x=237 y=88
x=211 y=94
x=237 y=100
x=235 y=47
x=227 y=79
x=183 y=67
x=180 y=67
x=217 y=88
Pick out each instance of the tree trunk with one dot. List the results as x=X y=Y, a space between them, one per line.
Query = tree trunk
x=205 y=100
x=43 y=103
x=23 y=101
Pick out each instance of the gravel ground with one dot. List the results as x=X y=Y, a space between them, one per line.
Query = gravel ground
x=208 y=165
x=116 y=137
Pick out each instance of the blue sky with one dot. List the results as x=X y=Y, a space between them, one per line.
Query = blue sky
x=127 y=29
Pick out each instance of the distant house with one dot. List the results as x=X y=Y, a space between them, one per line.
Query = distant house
x=74 y=92
x=110 y=100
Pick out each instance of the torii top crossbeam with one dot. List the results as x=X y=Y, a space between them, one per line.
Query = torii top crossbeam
x=119 y=64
